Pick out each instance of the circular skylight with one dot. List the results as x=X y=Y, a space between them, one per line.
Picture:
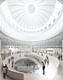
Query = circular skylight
x=31 y=14
x=31 y=8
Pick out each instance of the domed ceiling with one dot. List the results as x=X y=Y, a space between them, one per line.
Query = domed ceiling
x=31 y=20
x=31 y=14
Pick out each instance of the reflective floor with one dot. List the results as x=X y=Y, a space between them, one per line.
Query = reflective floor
x=58 y=76
x=36 y=76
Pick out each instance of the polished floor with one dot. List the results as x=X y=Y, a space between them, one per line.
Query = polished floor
x=35 y=76
x=58 y=76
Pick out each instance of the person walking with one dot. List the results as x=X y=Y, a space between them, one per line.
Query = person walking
x=43 y=68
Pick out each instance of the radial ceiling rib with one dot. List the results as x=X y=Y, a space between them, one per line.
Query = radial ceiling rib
x=31 y=14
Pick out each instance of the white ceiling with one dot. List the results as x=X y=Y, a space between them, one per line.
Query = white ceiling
x=4 y=0
x=10 y=28
x=55 y=41
x=31 y=14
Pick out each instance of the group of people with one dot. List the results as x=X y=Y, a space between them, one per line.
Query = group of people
x=5 y=67
x=46 y=61
x=4 y=70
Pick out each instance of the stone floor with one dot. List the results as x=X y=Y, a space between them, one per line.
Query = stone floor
x=35 y=76
x=59 y=75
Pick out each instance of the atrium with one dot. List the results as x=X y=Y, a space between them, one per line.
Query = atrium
x=31 y=39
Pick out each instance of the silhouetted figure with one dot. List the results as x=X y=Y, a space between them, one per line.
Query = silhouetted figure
x=12 y=63
x=6 y=68
x=43 y=68
x=61 y=56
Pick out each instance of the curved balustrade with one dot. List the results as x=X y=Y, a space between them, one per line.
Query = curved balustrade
x=16 y=72
x=33 y=57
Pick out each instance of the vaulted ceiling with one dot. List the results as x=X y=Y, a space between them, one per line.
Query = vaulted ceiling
x=53 y=42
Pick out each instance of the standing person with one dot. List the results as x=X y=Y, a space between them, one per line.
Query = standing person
x=4 y=72
x=6 y=68
x=9 y=60
x=61 y=56
x=33 y=68
x=12 y=63
x=12 y=58
x=43 y=68
x=47 y=59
